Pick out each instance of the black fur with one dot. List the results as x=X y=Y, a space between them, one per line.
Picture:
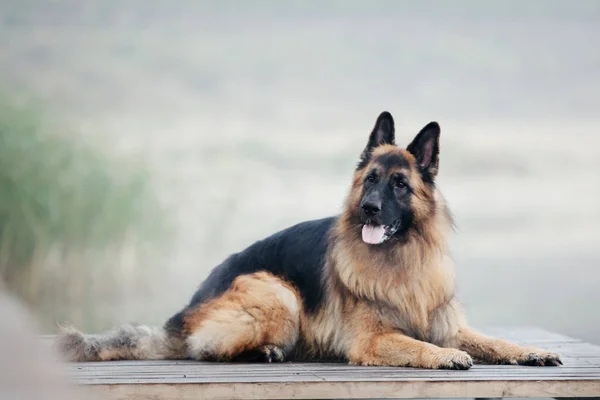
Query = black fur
x=426 y=149
x=299 y=255
x=296 y=254
x=390 y=160
x=383 y=133
x=392 y=192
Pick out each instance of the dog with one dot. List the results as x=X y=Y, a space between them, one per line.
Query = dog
x=371 y=286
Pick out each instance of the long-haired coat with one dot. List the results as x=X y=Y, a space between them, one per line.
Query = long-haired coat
x=372 y=286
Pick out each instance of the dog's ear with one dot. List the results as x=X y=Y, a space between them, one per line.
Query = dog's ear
x=383 y=133
x=426 y=149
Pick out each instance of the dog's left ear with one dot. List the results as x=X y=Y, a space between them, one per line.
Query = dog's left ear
x=426 y=149
x=383 y=133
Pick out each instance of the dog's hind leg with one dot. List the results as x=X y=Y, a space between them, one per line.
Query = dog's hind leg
x=256 y=319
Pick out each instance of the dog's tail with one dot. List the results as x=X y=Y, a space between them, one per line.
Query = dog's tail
x=128 y=342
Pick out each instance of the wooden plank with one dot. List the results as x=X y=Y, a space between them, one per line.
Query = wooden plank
x=283 y=372
x=349 y=390
x=578 y=377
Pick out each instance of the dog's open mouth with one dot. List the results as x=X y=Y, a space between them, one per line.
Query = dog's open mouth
x=377 y=234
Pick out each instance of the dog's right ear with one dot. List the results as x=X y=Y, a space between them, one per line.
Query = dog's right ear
x=383 y=133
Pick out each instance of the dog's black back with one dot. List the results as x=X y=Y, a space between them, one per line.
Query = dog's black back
x=296 y=254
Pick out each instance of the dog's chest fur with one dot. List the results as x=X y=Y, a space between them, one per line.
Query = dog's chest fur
x=423 y=308
x=419 y=303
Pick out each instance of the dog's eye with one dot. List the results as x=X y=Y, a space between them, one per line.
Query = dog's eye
x=371 y=179
x=400 y=184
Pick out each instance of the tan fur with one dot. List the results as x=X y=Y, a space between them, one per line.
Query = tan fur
x=415 y=279
x=391 y=305
x=498 y=351
x=258 y=310
x=398 y=308
x=393 y=308
x=395 y=349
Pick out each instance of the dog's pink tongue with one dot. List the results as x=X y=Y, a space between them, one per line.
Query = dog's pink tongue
x=373 y=234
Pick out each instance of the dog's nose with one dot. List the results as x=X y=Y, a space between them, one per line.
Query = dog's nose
x=371 y=208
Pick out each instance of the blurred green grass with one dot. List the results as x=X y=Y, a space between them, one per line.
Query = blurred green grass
x=62 y=200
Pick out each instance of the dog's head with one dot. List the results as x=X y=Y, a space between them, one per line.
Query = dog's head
x=393 y=189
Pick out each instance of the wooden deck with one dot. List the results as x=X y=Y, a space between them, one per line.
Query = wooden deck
x=183 y=380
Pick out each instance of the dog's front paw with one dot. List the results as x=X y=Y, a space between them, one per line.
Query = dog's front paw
x=453 y=359
x=539 y=358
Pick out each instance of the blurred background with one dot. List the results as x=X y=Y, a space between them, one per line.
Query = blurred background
x=142 y=142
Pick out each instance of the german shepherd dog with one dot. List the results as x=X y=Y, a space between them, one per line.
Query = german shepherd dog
x=372 y=286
